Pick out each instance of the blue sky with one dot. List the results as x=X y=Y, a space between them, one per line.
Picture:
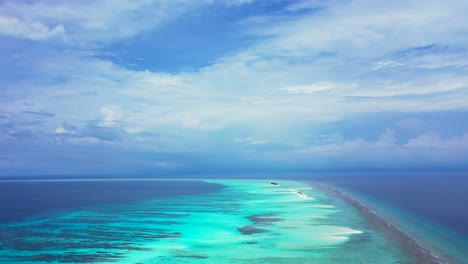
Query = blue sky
x=159 y=87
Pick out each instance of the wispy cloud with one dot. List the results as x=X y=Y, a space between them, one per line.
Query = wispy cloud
x=39 y=113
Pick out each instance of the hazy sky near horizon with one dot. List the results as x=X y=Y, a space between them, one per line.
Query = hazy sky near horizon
x=160 y=86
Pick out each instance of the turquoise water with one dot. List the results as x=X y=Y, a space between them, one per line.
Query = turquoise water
x=246 y=221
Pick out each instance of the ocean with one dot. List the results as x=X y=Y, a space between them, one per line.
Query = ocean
x=431 y=207
x=184 y=221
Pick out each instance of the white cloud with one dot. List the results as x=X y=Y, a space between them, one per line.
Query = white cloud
x=111 y=115
x=385 y=151
x=306 y=4
x=308 y=89
x=439 y=60
x=62 y=130
x=85 y=140
x=101 y=20
x=423 y=85
x=30 y=30
x=387 y=139
x=386 y=64
x=251 y=141
x=368 y=28
x=434 y=141
x=92 y=22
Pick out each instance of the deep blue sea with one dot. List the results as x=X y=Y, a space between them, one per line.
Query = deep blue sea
x=441 y=197
x=87 y=221
x=31 y=197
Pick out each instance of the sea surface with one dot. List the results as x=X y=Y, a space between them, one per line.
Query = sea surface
x=431 y=207
x=183 y=221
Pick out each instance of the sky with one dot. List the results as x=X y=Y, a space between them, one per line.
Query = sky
x=197 y=86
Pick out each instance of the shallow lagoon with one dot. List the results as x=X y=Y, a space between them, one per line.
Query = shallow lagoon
x=244 y=221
